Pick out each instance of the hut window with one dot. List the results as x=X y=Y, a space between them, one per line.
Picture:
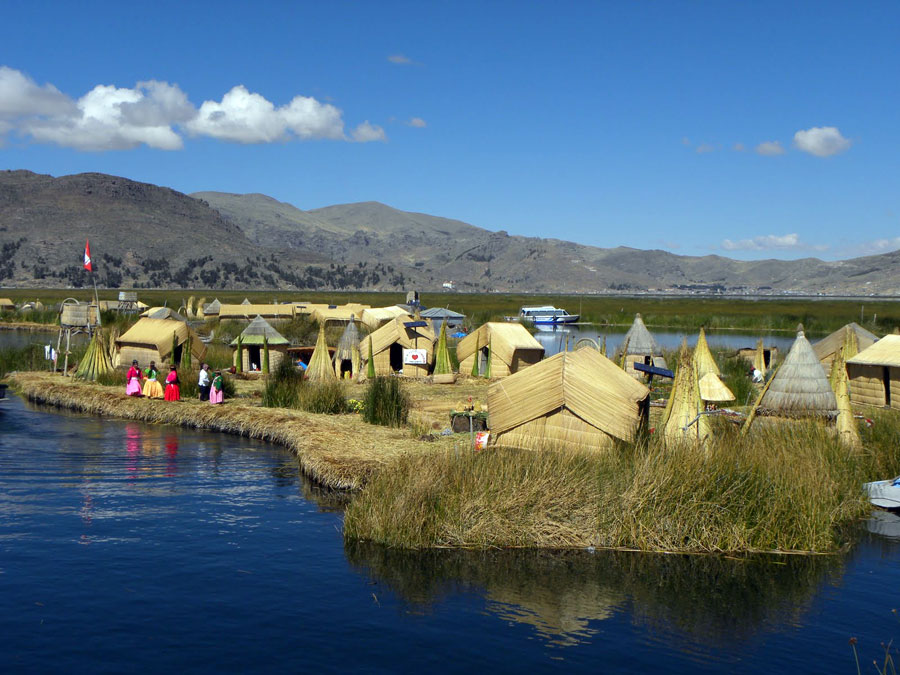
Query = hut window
x=396 y=356
x=886 y=377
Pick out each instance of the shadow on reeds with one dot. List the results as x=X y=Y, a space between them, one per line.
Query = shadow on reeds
x=564 y=595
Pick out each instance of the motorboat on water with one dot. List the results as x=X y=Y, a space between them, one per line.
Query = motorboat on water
x=546 y=315
x=884 y=493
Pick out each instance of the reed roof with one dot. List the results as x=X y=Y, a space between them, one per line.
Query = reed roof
x=421 y=337
x=163 y=313
x=157 y=334
x=258 y=332
x=832 y=343
x=440 y=313
x=505 y=338
x=885 y=352
x=6 y=302
x=339 y=314
x=713 y=389
x=584 y=382
x=639 y=339
x=248 y=311
x=374 y=317
x=348 y=344
x=800 y=386
x=213 y=307
x=703 y=359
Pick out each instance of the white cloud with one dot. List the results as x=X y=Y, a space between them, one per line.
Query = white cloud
x=821 y=141
x=767 y=242
x=157 y=114
x=366 y=133
x=770 y=148
x=400 y=59
x=704 y=148
x=417 y=122
x=245 y=117
x=873 y=247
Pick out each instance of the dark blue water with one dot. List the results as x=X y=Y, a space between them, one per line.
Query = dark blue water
x=134 y=548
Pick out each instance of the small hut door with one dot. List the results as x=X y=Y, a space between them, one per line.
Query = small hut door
x=396 y=356
x=886 y=378
x=176 y=355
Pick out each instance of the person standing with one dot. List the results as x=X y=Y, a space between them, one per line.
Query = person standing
x=173 y=391
x=217 y=392
x=203 y=383
x=133 y=379
x=152 y=387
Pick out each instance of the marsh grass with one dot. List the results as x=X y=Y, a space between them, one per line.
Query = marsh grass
x=386 y=402
x=30 y=357
x=286 y=388
x=328 y=398
x=786 y=487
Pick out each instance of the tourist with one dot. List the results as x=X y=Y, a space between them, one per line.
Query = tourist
x=133 y=380
x=203 y=382
x=173 y=392
x=217 y=390
x=152 y=387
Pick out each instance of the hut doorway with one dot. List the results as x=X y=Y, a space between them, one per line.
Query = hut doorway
x=886 y=378
x=483 y=355
x=254 y=354
x=396 y=357
x=176 y=354
x=345 y=368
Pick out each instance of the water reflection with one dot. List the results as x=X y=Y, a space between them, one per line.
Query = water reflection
x=565 y=596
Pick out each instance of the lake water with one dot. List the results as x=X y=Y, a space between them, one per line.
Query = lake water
x=127 y=547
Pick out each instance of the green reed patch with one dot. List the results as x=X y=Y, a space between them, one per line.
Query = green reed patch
x=386 y=402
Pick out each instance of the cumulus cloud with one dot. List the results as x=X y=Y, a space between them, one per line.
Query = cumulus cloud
x=821 y=141
x=366 y=133
x=417 y=122
x=245 y=117
x=770 y=148
x=157 y=114
x=400 y=59
x=768 y=242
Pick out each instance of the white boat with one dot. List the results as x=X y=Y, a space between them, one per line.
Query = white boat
x=546 y=315
x=884 y=493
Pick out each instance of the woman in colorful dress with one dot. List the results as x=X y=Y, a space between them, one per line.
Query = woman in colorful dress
x=133 y=380
x=217 y=391
x=173 y=391
x=152 y=387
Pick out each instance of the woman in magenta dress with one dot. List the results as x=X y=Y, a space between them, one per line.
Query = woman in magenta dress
x=173 y=392
x=133 y=380
x=217 y=391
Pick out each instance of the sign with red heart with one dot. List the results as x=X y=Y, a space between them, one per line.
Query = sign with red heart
x=415 y=356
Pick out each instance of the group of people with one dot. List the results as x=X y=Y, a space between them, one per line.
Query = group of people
x=146 y=383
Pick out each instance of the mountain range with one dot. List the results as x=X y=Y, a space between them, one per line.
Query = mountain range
x=143 y=235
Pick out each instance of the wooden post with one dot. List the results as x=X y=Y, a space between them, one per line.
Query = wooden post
x=66 y=360
x=58 y=344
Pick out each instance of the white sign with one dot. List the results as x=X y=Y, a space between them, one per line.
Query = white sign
x=415 y=356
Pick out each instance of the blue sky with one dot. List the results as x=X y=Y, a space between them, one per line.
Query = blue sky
x=751 y=130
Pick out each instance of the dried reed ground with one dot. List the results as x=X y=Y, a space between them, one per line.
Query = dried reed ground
x=339 y=451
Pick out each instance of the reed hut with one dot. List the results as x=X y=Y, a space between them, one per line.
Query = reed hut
x=800 y=387
x=163 y=313
x=395 y=345
x=320 y=368
x=572 y=400
x=248 y=312
x=439 y=316
x=346 y=358
x=874 y=374
x=152 y=340
x=497 y=348
x=852 y=335
x=703 y=358
x=252 y=342
x=334 y=315
x=682 y=420
x=640 y=347
x=211 y=310
x=7 y=305
x=760 y=356
x=375 y=317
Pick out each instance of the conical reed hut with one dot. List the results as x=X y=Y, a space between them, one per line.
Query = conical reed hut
x=347 y=358
x=800 y=387
x=683 y=419
x=252 y=341
x=577 y=400
x=639 y=346
x=320 y=368
x=96 y=359
x=703 y=358
x=443 y=367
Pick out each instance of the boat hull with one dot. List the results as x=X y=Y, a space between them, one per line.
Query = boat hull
x=552 y=320
x=884 y=493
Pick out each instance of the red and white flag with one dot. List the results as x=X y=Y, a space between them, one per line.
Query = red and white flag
x=87 y=256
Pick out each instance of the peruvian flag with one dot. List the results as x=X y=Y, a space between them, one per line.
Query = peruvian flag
x=87 y=256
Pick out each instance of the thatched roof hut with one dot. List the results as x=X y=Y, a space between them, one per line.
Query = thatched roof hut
x=799 y=387
x=212 y=309
x=151 y=340
x=851 y=334
x=253 y=340
x=391 y=345
x=334 y=315
x=347 y=359
x=248 y=312
x=163 y=313
x=439 y=316
x=874 y=373
x=574 y=400
x=79 y=315
x=374 y=318
x=509 y=346
x=639 y=346
x=7 y=305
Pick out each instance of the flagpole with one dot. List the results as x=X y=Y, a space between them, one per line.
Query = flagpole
x=89 y=266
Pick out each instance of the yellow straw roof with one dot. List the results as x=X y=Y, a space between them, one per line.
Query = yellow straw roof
x=157 y=333
x=703 y=358
x=713 y=389
x=885 y=352
x=504 y=338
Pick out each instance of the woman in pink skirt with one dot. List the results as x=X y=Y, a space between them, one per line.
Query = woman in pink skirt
x=133 y=380
x=217 y=392
x=173 y=391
